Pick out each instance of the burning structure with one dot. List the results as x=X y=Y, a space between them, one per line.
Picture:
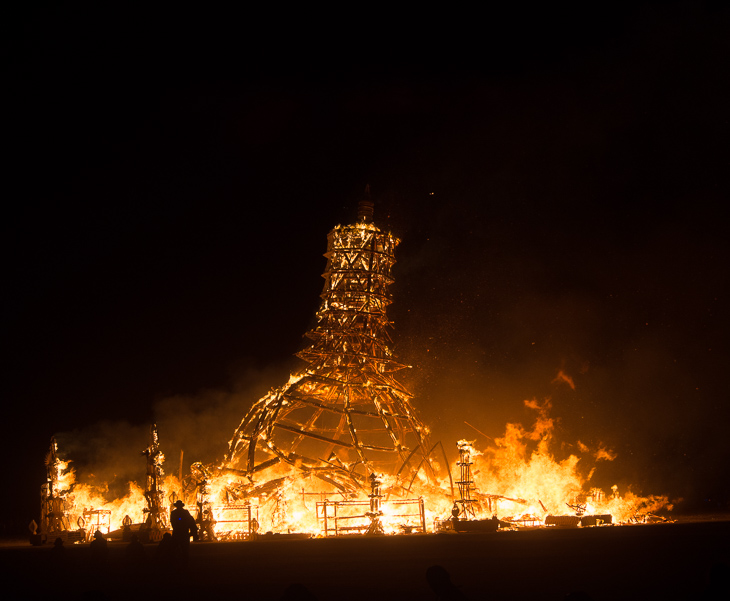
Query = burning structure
x=54 y=518
x=156 y=510
x=344 y=415
x=339 y=449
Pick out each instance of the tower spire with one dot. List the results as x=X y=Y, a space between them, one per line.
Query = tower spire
x=366 y=207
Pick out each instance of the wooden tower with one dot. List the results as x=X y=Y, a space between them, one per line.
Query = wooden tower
x=344 y=415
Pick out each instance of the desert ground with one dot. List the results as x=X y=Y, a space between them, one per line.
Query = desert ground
x=682 y=560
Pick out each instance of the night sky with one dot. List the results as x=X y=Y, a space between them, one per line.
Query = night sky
x=559 y=182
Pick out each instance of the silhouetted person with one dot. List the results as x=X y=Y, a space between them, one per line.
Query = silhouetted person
x=99 y=551
x=134 y=553
x=440 y=582
x=58 y=549
x=297 y=592
x=127 y=529
x=166 y=551
x=183 y=527
x=58 y=556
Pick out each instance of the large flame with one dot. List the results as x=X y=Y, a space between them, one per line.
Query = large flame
x=81 y=499
x=518 y=478
x=522 y=468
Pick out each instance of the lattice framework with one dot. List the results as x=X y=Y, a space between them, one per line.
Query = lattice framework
x=344 y=415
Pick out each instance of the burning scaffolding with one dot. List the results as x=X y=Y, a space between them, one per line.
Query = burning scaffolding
x=464 y=506
x=54 y=518
x=156 y=512
x=344 y=415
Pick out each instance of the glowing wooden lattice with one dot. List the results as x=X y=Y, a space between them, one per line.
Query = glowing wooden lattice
x=344 y=415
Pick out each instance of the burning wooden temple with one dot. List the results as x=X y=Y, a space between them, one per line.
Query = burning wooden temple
x=339 y=449
x=344 y=415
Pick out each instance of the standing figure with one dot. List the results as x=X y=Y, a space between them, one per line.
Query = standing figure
x=183 y=527
x=99 y=552
x=134 y=554
x=59 y=563
x=166 y=552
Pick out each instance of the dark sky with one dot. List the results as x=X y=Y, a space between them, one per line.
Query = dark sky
x=558 y=180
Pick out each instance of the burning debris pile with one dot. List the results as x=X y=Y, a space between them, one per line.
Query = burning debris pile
x=339 y=449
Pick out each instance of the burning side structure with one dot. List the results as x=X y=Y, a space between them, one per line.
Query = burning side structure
x=339 y=448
